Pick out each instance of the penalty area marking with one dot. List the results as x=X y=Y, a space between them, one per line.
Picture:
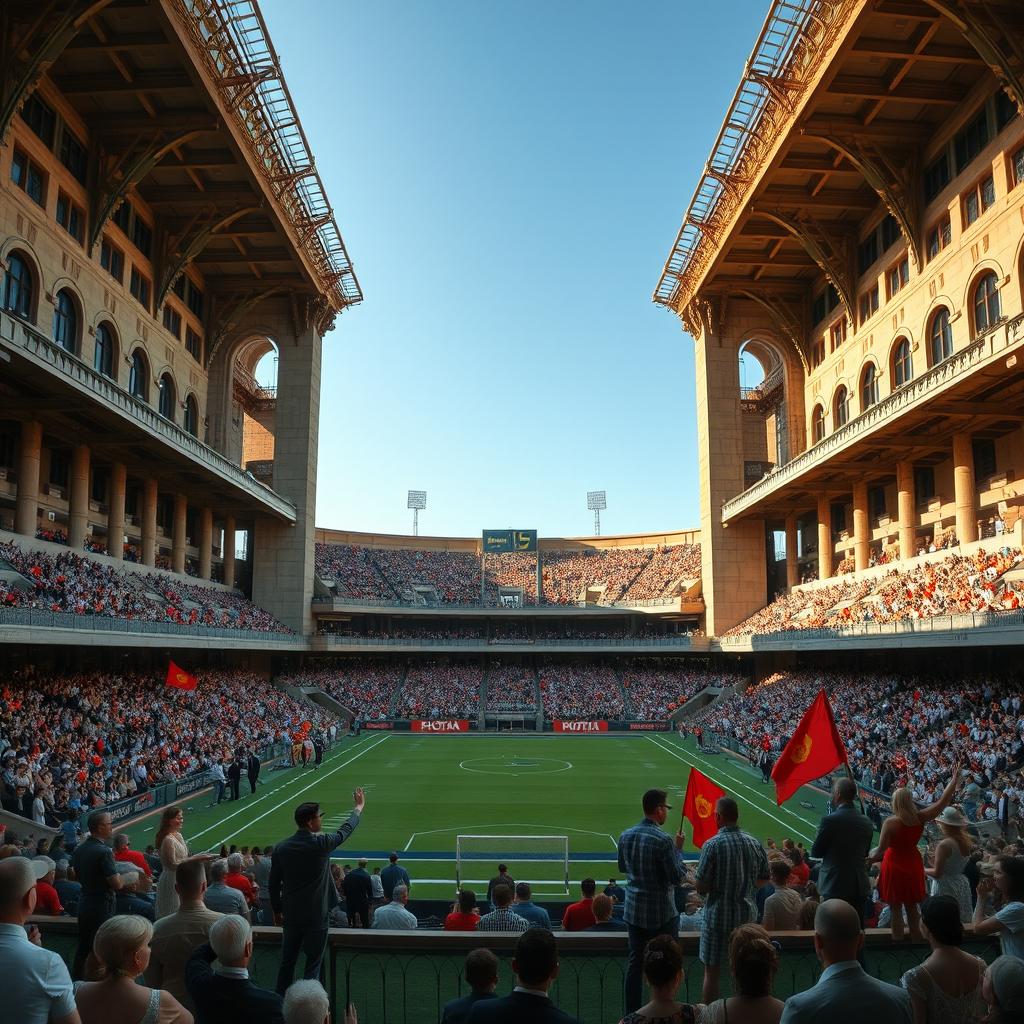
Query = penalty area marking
x=511 y=824
x=515 y=761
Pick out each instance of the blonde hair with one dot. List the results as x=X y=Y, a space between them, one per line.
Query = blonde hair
x=958 y=833
x=117 y=939
x=904 y=808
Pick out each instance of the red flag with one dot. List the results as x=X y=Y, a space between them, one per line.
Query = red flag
x=179 y=679
x=812 y=751
x=699 y=806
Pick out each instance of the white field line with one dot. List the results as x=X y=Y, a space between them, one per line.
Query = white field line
x=319 y=778
x=756 y=804
x=509 y=824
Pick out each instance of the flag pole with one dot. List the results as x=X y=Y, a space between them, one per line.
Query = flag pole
x=846 y=755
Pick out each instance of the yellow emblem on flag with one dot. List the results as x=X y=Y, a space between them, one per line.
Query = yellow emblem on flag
x=703 y=805
x=180 y=677
x=802 y=750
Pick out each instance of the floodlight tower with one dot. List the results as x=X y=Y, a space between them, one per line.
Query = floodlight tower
x=597 y=501
x=416 y=501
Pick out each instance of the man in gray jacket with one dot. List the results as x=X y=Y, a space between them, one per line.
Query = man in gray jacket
x=845 y=992
x=302 y=892
x=843 y=843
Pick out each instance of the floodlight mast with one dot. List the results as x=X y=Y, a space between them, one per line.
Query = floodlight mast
x=416 y=501
x=596 y=502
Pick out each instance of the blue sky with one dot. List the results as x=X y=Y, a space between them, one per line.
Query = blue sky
x=508 y=179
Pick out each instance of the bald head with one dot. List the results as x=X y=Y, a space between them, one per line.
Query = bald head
x=837 y=932
x=17 y=883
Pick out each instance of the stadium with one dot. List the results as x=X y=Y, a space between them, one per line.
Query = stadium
x=180 y=634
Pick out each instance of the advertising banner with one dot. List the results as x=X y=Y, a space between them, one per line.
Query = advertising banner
x=444 y=725
x=496 y=542
x=378 y=725
x=187 y=786
x=136 y=805
x=561 y=726
x=648 y=726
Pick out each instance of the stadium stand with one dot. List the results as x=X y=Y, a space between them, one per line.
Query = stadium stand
x=571 y=690
x=655 y=689
x=367 y=687
x=511 y=688
x=440 y=689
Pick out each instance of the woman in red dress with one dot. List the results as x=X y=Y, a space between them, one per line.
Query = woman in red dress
x=901 y=881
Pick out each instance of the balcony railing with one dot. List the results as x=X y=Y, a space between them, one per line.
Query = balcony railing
x=36 y=347
x=340 y=640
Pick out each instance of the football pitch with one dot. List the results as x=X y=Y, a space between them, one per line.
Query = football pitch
x=422 y=791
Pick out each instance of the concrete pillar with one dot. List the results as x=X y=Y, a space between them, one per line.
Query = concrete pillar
x=149 y=521
x=825 y=547
x=26 y=511
x=228 y=552
x=115 y=510
x=963 y=489
x=78 y=519
x=178 y=534
x=205 y=542
x=905 y=510
x=861 y=527
x=792 y=565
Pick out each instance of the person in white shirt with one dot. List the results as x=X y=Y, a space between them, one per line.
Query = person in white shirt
x=393 y=916
x=1008 y=921
x=37 y=985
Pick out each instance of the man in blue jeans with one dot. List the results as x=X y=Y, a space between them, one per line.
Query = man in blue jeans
x=653 y=865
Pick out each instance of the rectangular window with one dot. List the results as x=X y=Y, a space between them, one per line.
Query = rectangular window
x=818 y=352
x=978 y=200
x=172 y=320
x=70 y=217
x=924 y=484
x=984 y=449
x=139 y=287
x=837 y=334
x=1006 y=110
x=40 y=118
x=98 y=492
x=876 y=503
x=890 y=232
x=936 y=176
x=194 y=344
x=59 y=466
x=867 y=253
x=838 y=518
x=29 y=177
x=122 y=217
x=938 y=237
x=971 y=140
x=19 y=168
x=112 y=260
x=73 y=155
x=1018 y=167
x=142 y=236
x=868 y=305
x=194 y=300
x=897 y=277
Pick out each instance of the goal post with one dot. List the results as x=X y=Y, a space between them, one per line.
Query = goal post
x=543 y=861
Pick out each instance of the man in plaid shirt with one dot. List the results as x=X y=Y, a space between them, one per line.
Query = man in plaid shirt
x=653 y=865
x=502 y=919
x=732 y=866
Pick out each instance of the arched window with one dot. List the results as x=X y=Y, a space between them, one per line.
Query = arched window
x=191 y=416
x=104 y=359
x=986 y=303
x=868 y=387
x=940 y=337
x=818 y=424
x=65 y=321
x=902 y=367
x=166 y=405
x=138 y=384
x=841 y=408
x=17 y=293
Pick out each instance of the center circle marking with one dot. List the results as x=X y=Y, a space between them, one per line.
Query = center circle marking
x=515 y=766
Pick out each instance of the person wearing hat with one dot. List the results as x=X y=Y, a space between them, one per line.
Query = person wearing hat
x=302 y=892
x=1003 y=990
x=47 y=900
x=951 y=856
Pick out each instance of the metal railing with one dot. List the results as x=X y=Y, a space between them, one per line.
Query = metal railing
x=471 y=642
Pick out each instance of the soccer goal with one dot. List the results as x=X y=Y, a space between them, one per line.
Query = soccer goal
x=543 y=861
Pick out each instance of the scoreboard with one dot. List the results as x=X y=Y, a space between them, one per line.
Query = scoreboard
x=496 y=542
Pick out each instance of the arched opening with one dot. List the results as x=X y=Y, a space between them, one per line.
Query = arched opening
x=66 y=321
x=762 y=374
x=940 y=337
x=254 y=376
x=901 y=365
x=191 y=416
x=818 y=424
x=165 y=405
x=986 y=303
x=868 y=387
x=841 y=407
x=104 y=358
x=138 y=376
x=19 y=287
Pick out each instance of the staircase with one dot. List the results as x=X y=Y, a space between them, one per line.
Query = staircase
x=383 y=575
x=628 y=710
x=395 y=704
x=537 y=698
x=482 y=714
x=624 y=596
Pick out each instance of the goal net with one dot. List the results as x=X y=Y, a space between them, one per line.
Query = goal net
x=543 y=861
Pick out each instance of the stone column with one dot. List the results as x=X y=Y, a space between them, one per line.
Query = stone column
x=115 y=510
x=228 y=551
x=825 y=547
x=205 y=542
x=963 y=489
x=26 y=511
x=905 y=510
x=149 y=521
x=78 y=519
x=178 y=535
x=861 y=527
x=792 y=565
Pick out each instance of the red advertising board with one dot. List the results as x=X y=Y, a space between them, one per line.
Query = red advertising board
x=561 y=726
x=443 y=725
x=378 y=725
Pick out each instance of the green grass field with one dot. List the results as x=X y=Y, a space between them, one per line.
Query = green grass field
x=423 y=791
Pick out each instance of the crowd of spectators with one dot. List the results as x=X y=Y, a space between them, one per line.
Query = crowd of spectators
x=656 y=688
x=366 y=686
x=511 y=687
x=580 y=691
x=75 y=584
x=441 y=689
x=956 y=584
x=87 y=739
